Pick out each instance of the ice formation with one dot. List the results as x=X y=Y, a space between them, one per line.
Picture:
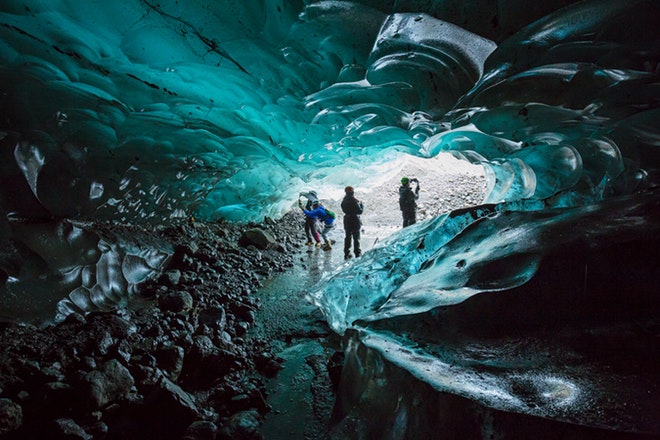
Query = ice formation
x=145 y=112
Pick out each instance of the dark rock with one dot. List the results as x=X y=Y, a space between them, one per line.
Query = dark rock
x=145 y=377
x=109 y=385
x=60 y=398
x=104 y=343
x=201 y=430
x=225 y=338
x=203 y=346
x=117 y=326
x=90 y=362
x=171 y=277
x=267 y=364
x=176 y=301
x=168 y=401
x=335 y=366
x=170 y=360
x=214 y=317
x=232 y=400
x=257 y=237
x=153 y=331
x=205 y=361
x=68 y=429
x=11 y=416
x=124 y=350
x=244 y=312
x=97 y=429
x=242 y=426
x=241 y=328
x=74 y=319
x=52 y=373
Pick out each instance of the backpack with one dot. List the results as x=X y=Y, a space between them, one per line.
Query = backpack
x=330 y=214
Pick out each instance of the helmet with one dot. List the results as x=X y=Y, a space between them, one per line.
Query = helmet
x=315 y=204
x=349 y=190
x=404 y=181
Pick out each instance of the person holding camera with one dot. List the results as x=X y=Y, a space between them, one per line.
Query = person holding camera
x=408 y=201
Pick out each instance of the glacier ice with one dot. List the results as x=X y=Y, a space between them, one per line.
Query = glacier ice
x=142 y=112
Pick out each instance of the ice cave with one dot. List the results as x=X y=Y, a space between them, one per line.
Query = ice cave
x=537 y=308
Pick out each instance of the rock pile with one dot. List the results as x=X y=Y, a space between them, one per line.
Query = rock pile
x=179 y=365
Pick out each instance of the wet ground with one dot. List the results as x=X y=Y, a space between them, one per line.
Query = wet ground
x=301 y=396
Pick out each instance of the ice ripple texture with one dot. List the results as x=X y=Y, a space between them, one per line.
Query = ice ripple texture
x=71 y=267
x=123 y=264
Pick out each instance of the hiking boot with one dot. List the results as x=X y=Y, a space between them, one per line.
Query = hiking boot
x=327 y=247
x=347 y=256
x=309 y=243
x=318 y=244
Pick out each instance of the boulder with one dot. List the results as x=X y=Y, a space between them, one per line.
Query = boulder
x=108 y=385
x=258 y=238
x=172 y=404
x=201 y=430
x=243 y=426
x=68 y=428
x=11 y=416
x=176 y=301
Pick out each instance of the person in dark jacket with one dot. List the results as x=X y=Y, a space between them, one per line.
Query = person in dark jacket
x=352 y=208
x=408 y=201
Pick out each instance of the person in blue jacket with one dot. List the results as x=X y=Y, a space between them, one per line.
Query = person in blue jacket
x=326 y=217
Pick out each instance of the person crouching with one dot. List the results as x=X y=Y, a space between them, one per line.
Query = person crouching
x=326 y=217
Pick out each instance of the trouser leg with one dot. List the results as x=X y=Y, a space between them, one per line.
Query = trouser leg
x=409 y=218
x=324 y=233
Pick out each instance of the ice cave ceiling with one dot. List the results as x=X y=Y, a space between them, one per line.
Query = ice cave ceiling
x=140 y=110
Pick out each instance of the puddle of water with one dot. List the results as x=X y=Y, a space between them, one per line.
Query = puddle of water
x=289 y=394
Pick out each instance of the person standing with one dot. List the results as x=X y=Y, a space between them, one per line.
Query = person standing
x=311 y=230
x=408 y=201
x=352 y=208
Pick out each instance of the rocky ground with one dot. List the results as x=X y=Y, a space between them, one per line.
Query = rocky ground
x=196 y=359
x=178 y=366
